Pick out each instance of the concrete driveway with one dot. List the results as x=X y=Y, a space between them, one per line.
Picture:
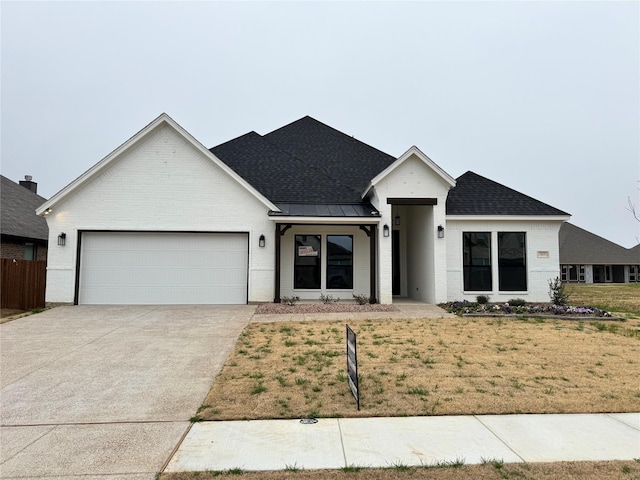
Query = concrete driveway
x=107 y=391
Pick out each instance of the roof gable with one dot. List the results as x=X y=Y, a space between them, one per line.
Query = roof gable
x=18 y=213
x=477 y=195
x=163 y=119
x=310 y=163
x=413 y=152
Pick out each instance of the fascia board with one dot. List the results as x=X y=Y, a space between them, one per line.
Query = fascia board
x=508 y=218
x=448 y=179
x=102 y=164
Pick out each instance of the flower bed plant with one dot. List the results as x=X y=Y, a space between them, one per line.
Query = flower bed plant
x=465 y=307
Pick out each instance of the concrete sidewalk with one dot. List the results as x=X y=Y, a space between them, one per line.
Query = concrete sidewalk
x=386 y=442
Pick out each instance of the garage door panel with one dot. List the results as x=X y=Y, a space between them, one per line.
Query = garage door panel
x=163 y=268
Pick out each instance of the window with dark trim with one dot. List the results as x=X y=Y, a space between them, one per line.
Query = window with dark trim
x=572 y=273
x=339 y=262
x=477 y=261
x=30 y=251
x=307 y=263
x=512 y=261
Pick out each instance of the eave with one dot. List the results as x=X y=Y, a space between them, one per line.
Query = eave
x=444 y=176
x=509 y=218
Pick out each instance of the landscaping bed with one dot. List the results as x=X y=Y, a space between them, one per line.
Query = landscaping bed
x=335 y=307
x=466 y=308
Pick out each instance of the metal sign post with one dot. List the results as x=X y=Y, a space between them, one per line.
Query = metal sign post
x=352 y=364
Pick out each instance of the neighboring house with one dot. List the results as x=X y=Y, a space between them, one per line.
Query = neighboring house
x=24 y=234
x=588 y=258
x=302 y=211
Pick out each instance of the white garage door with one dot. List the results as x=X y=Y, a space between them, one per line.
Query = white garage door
x=163 y=268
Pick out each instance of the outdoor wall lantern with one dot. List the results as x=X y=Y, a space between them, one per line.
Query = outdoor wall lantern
x=397 y=220
x=47 y=211
x=385 y=230
x=261 y=241
x=440 y=231
x=62 y=239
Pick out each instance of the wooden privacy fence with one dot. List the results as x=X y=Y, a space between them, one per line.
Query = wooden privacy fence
x=23 y=283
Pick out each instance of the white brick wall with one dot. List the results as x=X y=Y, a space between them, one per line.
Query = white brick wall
x=542 y=236
x=424 y=268
x=163 y=183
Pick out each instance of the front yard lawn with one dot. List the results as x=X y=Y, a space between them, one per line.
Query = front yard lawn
x=439 y=367
x=430 y=367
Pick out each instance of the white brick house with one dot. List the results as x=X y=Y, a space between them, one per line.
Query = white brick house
x=303 y=210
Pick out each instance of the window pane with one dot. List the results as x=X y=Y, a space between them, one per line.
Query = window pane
x=29 y=251
x=573 y=273
x=340 y=261
x=307 y=262
x=477 y=261
x=512 y=265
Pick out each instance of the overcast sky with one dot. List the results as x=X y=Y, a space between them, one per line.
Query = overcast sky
x=540 y=96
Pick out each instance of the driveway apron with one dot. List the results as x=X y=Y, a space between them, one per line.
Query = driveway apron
x=107 y=390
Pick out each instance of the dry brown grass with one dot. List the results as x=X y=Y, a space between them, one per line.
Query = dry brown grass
x=627 y=470
x=465 y=365
x=615 y=297
x=430 y=367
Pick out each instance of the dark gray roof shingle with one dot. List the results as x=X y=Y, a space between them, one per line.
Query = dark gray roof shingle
x=581 y=247
x=305 y=162
x=308 y=162
x=477 y=195
x=18 y=212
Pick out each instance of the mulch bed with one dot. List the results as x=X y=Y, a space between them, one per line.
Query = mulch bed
x=281 y=308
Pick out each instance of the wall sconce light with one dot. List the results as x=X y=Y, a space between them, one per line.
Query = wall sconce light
x=261 y=241
x=385 y=230
x=62 y=239
x=440 y=231
x=47 y=211
x=397 y=220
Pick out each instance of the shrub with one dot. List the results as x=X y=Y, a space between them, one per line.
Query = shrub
x=291 y=301
x=482 y=299
x=517 y=302
x=557 y=293
x=361 y=299
x=329 y=298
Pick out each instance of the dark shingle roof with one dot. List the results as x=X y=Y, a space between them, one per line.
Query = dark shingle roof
x=18 y=212
x=578 y=246
x=477 y=195
x=305 y=162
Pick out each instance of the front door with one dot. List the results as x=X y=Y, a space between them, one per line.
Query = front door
x=395 y=263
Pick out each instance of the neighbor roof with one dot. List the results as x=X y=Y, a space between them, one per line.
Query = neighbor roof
x=477 y=195
x=578 y=246
x=18 y=212
x=305 y=162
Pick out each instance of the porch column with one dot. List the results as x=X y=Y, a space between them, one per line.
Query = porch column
x=277 y=269
x=373 y=245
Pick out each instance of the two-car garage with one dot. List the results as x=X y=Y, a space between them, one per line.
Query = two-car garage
x=146 y=268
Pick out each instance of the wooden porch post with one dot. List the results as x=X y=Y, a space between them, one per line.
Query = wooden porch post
x=277 y=269
x=372 y=268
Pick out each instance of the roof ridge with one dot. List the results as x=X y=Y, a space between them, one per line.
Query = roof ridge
x=352 y=137
x=252 y=132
